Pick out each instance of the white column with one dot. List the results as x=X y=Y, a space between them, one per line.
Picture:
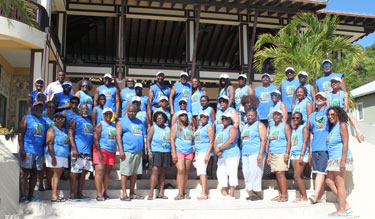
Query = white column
x=36 y=66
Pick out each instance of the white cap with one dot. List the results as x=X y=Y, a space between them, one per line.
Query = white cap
x=227 y=114
x=225 y=76
x=278 y=111
x=303 y=73
x=266 y=74
x=204 y=113
x=327 y=60
x=67 y=83
x=159 y=72
x=321 y=94
x=163 y=98
x=136 y=98
x=107 y=110
x=184 y=73
x=242 y=76
x=336 y=79
x=182 y=100
x=181 y=112
x=225 y=97
x=138 y=85
x=41 y=93
x=276 y=91
x=39 y=79
x=107 y=75
x=289 y=69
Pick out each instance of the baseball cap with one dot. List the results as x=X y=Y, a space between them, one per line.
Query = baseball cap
x=321 y=94
x=181 y=112
x=303 y=73
x=163 y=98
x=184 y=73
x=138 y=85
x=336 y=79
x=266 y=74
x=107 y=110
x=327 y=60
x=227 y=115
x=225 y=97
x=136 y=98
x=182 y=100
x=276 y=91
x=38 y=103
x=107 y=75
x=159 y=72
x=39 y=79
x=225 y=76
x=289 y=69
x=67 y=83
x=278 y=111
x=41 y=93
x=204 y=113
x=242 y=76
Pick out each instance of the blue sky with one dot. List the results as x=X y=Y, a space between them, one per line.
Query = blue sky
x=355 y=6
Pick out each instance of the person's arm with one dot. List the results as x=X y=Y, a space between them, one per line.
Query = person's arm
x=359 y=135
x=250 y=90
x=213 y=116
x=343 y=84
x=55 y=101
x=236 y=120
x=204 y=89
x=294 y=101
x=77 y=94
x=173 y=119
x=127 y=108
x=119 y=140
x=97 y=134
x=29 y=100
x=346 y=102
x=285 y=111
x=150 y=134
x=313 y=92
x=304 y=145
x=118 y=105
x=149 y=104
x=231 y=95
x=93 y=116
x=21 y=135
x=288 y=135
x=263 y=141
x=71 y=130
x=232 y=138
x=48 y=92
x=345 y=138
x=173 y=143
x=171 y=99
x=309 y=109
x=211 y=136
x=96 y=96
x=49 y=141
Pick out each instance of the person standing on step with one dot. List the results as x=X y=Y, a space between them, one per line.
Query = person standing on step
x=163 y=107
x=57 y=153
x=288 y=88
x=225 y=88
x=182 y=151
x=302 y=77
x=104 y=153
x=56 y=87
x=62 y=99
x=277 y=105
x=324 y=82
x=81 y=136
x=253 y=149
x=228 y=152
x=263 y=93
x=242 y=90
x=31 y=139
x=97 y=112
x=302 y=104
x=340 y=158
x=126 y=94
x=181 y=90
x=158 y=146
x=72 y=112
x=279 y=145
x=141 y=115
x=130 y=133
x=225 y=108
x=39 y=85
x=196 y=106
x=205 y=103
x=84 y=87
x=183 y=105
x=299 y=154
x=112 y=95
x=204 y=138
x=155 y=92
x=143 y=99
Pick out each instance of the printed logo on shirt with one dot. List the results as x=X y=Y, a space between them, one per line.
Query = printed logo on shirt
x=294 y=139
x=107 y=93
x=111 y=134
x=290 y=90
x=66 y=140
x=327 y=86
x=160 y=94
x=88 y=128
x=274 y=136
x=186 y=93
x=320 y=123
x=139 y=116
x=246 y=135
x=297 y=109
x=197 y=136
x=187 y=135
x=89 y=100
x=130 y=95
x=265 y=97
x=194 y=98
x=238 y=95
x=220 y=138
x=166 y=135
x=136 y=129
x=66 y=101
x=335 y=102
x=38 y=129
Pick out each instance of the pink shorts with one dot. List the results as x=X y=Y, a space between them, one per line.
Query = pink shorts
x=181 y=156
x=109 y=158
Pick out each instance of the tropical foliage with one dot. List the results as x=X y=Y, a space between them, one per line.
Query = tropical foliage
x=20 y=8
x=367 y=67
x=304 y=44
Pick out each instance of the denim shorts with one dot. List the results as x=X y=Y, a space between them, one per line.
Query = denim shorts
x=319 y=161
x=32 y=161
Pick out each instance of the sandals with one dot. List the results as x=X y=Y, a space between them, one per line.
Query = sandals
x=179 y=197
x=100 y=198
x=150 y=198
x=137 y=197
x=202 y=197
x=283 y=199
x=336 y=214
x=161 y=197
x=126 y=198
x=59 y=199
x=277 y=198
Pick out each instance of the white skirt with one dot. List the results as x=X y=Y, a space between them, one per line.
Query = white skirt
x=60 y=162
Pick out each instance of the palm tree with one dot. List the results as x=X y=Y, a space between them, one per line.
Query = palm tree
x=303 y=44
x=19 y=9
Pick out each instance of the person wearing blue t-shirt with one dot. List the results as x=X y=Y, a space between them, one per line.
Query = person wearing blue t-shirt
x=242 y=90
x=31 y=140
x=303 y=104
x=156 y=91
x=324 y=83
x=84 y=87
x=141 y=115
x=41 y=96
x=39 y=85
x=196 y=106
x=287 y=88
x=277 y=105
x=130 y=134
x=143 y=99
x=340 y=157
x=302 y=77
x=72 y=112
x=225 y=88
x=62 y=99
x=112 y=95
x=97 y=112
x=183 y=105
x=181 y=90
x=263 y=93
x=81 y=136
x=126 y=94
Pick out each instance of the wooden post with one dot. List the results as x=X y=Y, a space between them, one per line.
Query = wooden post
x=196 y=33
x=121 y=40
x=251 y=50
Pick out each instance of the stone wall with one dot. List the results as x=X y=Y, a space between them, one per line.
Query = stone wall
x=18 y=91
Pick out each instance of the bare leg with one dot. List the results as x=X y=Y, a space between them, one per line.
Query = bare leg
x=23 y=179
x=32 y=181
x=99 y=175
x=49 y=177
x=41 y=174
x=124 y=180
x=210 y=166
x=133 y=180
x=154 y=180
x=224 y=191
x=204 y=179
x=107 y=174
x=73 y=181
x=180 y=176
x=56 y=174
x=231 y=192
x=186 y=174
x=341 y=192
x=319 y=185
x=282 y=184
x=298 y=177
x=162 y=180
x=81 y=182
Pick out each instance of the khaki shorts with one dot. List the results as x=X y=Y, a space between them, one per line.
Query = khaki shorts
x=132 y=163
x=277 y=163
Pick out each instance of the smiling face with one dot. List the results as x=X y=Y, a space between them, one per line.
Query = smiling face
x=275 y=97
x=327 y=67
x=84 y=110
x=160 y=120
x=61 y=77
x=107 y=81
x=223 y=82
x=195 y=83
x=277 y=117
x=160 y=78
x=332 y=116
x=183 y=118
x=241 y=81
x=289 y=74
x=320 y=100
x=38 y=109
x=107 y=116
x=223 y=103
x=204 y=101
x=39 y=85
x=300 y=93
x=266 y=80
x=335 y=84
x=203 y=119
x=296 y=119
x=251 y=116
x=302 y=79
x=74 y=104
x=226 y=121
x=85 y=87
x=183 y=79
x=163 y=103
x=59 y=121
x=41 y=98
x=130 y=83
x=182 y=105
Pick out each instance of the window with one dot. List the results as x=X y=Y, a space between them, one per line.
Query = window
x=22 y=110
x=3 y=110
x=360 y=113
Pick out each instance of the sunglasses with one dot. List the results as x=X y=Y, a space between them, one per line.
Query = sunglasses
x=296 y=118
x=320 y=97
x=335 y=82
x=332 y=115
x=221 y=101
x=183 y=115
x=130 y=81
x=225 y=118
x=60 y=119
x=277 y=114
x=74 y=103
x=182 y=103
x=203 y=116
x=84 y=85
x=275 y=95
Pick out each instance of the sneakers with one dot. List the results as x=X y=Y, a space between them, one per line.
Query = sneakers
x=24 y=200
x=313 y=199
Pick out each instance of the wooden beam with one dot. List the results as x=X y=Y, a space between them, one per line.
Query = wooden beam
x=197 y=9
x=122 y=24
x=251 y=52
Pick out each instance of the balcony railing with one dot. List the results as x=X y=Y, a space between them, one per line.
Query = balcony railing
x=39 y=16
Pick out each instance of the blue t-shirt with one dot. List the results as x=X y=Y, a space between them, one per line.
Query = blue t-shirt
x=142 y=115
x=144 y=101
x=182 y=91
x=85 y=98
x=223 y=136
x=61 y=143
x=319 y=128
x=201 y=139
x=84 y=135
x=196 y=106
x=250 y=139
x=301 y=107
x=265 y=101
x=270 y=114
x=49 y=121
x=223 y=91
x=277 y=139
x=107 y=139
x=35 y=135
x=208 y=110
x=335 y=144
x=69 y=115
x=99 y=114
x=161 y=140
x=158 y=92
x=287 y=89
x=110 y=94
x=309 y=97
x=297 y=142
x=218 y=123
x=132 y=134
x=238 y=94
x=324 y=83
x=338 y=100
x=63 y=99
x=126 y=94
x=184 y=140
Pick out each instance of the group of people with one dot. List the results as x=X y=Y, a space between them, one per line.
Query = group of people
x=295 y=124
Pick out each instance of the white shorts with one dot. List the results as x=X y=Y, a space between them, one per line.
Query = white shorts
x=227 y=168
x=81 y=163
x=200 y=164
x=60 y=162
x=253 y=172
x=305 y=158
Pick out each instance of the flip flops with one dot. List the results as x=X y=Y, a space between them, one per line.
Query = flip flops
x=137 y=197
x=126 y=198
x=202 y=197
x=336 y=214
x=59 y=199
x=100 y=198
x=161 y=197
